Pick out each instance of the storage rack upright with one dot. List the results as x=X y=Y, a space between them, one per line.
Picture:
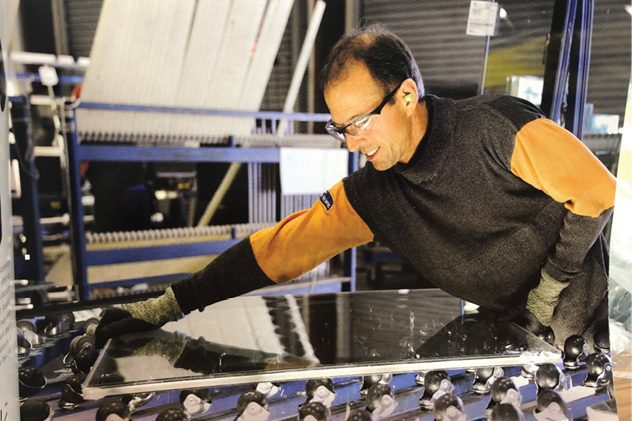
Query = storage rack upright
x=78 y=152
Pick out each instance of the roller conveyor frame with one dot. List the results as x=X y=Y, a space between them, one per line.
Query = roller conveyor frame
x=407 y=377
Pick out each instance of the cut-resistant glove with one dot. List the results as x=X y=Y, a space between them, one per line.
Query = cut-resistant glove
x=138 y=317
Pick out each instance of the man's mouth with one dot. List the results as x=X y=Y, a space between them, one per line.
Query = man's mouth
x=373 y=152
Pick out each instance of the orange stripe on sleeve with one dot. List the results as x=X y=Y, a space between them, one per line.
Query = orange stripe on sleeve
x=307 y=238
x=552 y=159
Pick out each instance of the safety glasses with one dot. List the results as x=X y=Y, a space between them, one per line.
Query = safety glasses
x=360 y=125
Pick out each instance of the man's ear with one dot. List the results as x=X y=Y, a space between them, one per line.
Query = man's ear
x=409 y=87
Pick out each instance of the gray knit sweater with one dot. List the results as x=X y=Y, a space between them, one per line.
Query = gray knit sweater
x=493 y=194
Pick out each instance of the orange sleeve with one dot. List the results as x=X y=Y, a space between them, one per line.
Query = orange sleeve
x=552 y=159
x=307 y=238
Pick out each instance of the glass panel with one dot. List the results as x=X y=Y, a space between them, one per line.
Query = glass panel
x=515 y=62
x=620 y=294
x=297 y=337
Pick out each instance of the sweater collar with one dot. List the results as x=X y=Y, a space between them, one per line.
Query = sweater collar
x=430 y=154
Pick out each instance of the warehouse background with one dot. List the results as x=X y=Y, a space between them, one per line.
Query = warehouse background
x=450 y=60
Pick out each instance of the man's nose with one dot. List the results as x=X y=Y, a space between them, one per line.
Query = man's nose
x=353 y=142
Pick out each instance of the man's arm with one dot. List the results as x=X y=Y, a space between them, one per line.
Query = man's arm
x=297 y=244
x=553 y=160
x=278 y=254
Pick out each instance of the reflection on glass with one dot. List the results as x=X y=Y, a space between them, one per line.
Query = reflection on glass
x=296 y=334
x=515 y=62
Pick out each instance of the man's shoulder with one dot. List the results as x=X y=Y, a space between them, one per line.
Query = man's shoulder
x=367 y=181
x=365 y=190
x=515 y=110
x=365 y=173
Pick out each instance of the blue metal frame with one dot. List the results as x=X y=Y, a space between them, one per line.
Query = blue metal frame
x=77 y=153
x=172 y=277
x=77 y=231
x=351 y=255
x=568 y=58
x=33 y=77
x=176 y=154
x=266 y=115
x=33 y=268
x=557 y=57
x=579 y=66
x=142 y=254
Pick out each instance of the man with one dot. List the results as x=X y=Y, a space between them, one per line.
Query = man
x=488 y=199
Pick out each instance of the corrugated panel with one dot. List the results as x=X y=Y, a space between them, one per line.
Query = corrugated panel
x=435 y=33
x=82 y=17
x=81 y=20
x=281 y=76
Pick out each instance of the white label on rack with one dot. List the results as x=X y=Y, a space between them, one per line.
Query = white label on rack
x=48 y=75
x=311 y=170
x=483 y=18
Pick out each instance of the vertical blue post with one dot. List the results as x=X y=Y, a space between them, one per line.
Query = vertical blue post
x=579 y=67
x=77 y=232
x=29 y=200
x=351 y=254
x=557 y=58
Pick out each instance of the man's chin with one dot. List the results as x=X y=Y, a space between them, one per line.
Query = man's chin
x=381 y=166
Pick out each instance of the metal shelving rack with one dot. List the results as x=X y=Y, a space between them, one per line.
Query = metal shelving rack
x=77 y=153
x=31 y=268
x=30 y=285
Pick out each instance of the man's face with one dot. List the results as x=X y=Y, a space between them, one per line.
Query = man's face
x=388 y=140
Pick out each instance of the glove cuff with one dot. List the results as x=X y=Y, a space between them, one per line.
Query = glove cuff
x=542 y=299
x=157 y=311
x=550 y=287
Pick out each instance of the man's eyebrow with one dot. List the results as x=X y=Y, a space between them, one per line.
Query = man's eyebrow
x=353 y=117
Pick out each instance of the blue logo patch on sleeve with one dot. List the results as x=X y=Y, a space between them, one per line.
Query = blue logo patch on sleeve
x=327 y=200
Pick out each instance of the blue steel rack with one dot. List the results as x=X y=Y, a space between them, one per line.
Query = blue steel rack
x=77 y=153
x=33 y=267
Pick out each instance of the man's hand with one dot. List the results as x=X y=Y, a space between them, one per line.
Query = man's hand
x=530 y=323
x=543 y=299
x=138 y=317
x=116 y=322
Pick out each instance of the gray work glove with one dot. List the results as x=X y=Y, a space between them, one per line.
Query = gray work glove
x=543 y=299
x=138 y=317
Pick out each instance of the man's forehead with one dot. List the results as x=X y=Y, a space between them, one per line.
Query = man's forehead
x=352 y=96
x=353 y=72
